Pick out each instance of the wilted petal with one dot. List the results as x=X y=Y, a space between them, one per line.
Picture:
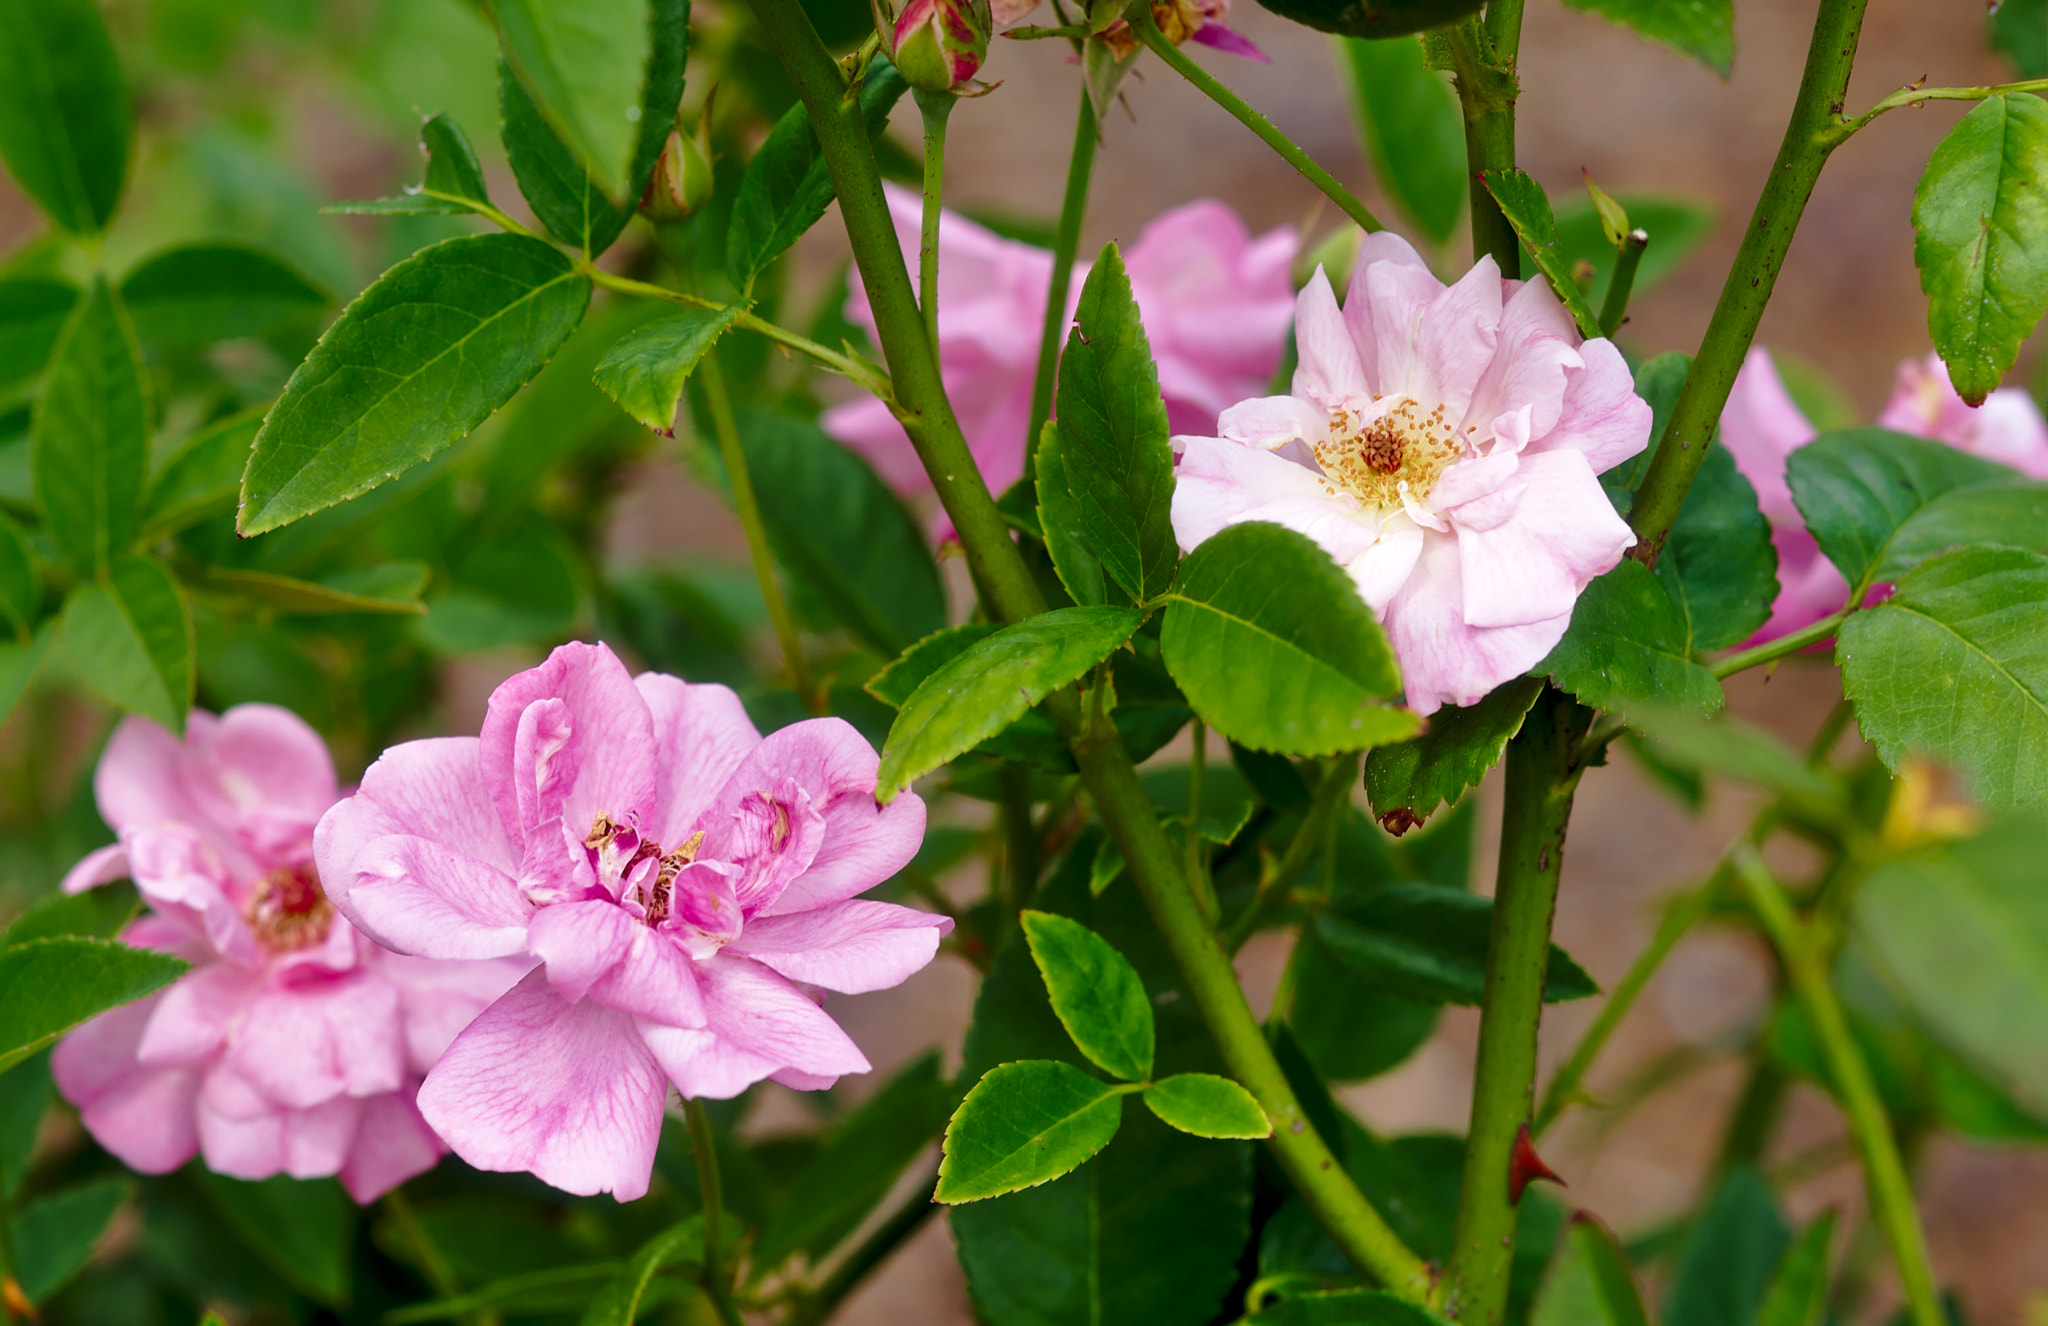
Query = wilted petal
x=850 y=947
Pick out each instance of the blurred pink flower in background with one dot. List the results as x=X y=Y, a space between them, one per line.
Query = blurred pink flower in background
x=1204 y=21
x=295 y=1045
x=1216 y=304
x=688 y=886
x=1762 y=426
x=1441 y=444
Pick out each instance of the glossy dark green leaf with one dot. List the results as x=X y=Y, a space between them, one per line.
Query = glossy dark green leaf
x=1658 y=381
x=196 y=294
x=987 y=686
x=131 y=637
x=33 y=311
x=1461 y=744
x=896 y=683
x=1676 y=227
x=201 y=478
x=1429 y=944
x=1064 y=527
x=1372 y=18
x=787 y=186
x=417 y=361
x=303 y=1228
x=454 y=182
x=25 y=1095
x=1208 y=1106
x=91 y=435
x=1857 y=487
x=619 y=1303
x=97 y=913
x=52 y=1237
x=1799 y=1291
x=391 y=588
x=1726 y=1264
x=1413 y=130
x=1342 y=1307
x=2008 y=512
x=570 y=205
x=1351 y=1031
x=1527 y=209
x=1260 y=600
x=1022 y=1125
x=585 y=65
x=645 y=371
x=48 y=986
x=1980 y=227
x=1702 y=29
x=1719 y=565
x=1629 y=642
x=1096 y=993
x=1955 y=665
x=1112 y=435
x=1589 y=1282
x=65 y=121
x=21 y=590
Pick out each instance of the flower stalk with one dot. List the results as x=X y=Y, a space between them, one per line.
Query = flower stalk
x=936 y=108
x=1628 y=256
x=717 y=1275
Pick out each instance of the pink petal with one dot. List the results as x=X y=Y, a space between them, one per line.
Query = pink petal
x=1218 y=482
x=1216 y=307
x=193 y=1018
x=1537 y=345
x=1761 y=426
x=142 y=1115
x=102 y=865
x=870 y=431
x=1396 y=297
x=1454 y=341
x=759 y=1024
x=315 y=1142
x=850 y=947
x=1443 y=659
x=179 y=874
x=267 y=778
x=1809 y=586
x=655 y=981
x=1218 y=37
x=566 y=1091
x=392 y=1144
x=438 y=999
x=1381 y=570
x=2007 y=428
x=593 y=755
x=429 y=789
x=241 y=1146
x=1329 y=371
x=1532 y=567
x=1381 y=246
x=601 y=950
x=1271 y=422
x=701 y=733
x=774 y=839
x=1602 y=416
x=418 y=896
x=304 y=1045
x=142 y=780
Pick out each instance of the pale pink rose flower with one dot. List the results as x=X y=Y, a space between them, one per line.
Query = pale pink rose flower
x=688 y=886
x=1215 y=303
x=1762 y=426
x=1205 y=21
x=1441 y=444
x=294 y=1045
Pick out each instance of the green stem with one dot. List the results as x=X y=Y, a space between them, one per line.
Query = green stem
x=719 y=400
x=1909 y=96
x=1504 y=28
x=1772 y=650
x=1147 y=30
x=1020 y=838
x=1198 y=866
x=1487 y=88
x=1066 y=245
x=1890 y=1194
x=1810 y=135
x=1542 y=773
x=1277 y=881
x=936 y=108
x=1626 y=259
x=717 y=1275
x=1755 y=1116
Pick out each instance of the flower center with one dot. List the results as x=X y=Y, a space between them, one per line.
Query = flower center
x=289 y=911
x=1374 y=458
x=617 y=850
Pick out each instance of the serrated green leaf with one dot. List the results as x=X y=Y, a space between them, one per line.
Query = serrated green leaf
x=303 y=1228
x=987 y=686
x=2009 y=513
x=1454 y=754
x=1412 y=128
x=1022 y=1125
x=1113 y=435
x=1427 y=943
x=1063 y=527
x=418 y=360
x=1955 y=665
x=48 y=986
x=21 y=662
x=1799 y=1292
x=52 y=1237
x=1725 y=1267
x=33 y=311
x=65 y=120
x=391 y=588
x=1096 y=993
x=585 y=65
x=1980 y=239
x=21 y=590
x=1208 y=1106
x=619 y=1303
x=896 y=683
x=1523 y=202
x=196 y=294
x=201 y=478
x=1589 y=1282
x=1260 y=600
x=1702 y=29
x=1343 y=1307
x=131 y=638
x=454 y=182
x=1719 y=565
x=91 y=435
x=97 y=913
x=1629 y=642
x=645 y=371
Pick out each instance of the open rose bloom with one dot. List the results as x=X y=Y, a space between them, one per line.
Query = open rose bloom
x=688 y=886
x=294 y=1045
x=1441 y=444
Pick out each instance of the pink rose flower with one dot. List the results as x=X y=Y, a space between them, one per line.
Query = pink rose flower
x=687 y=885
x=1442 y=445
x=1205 y=21
x=295 y=1045
x=1215 y=304
x=1762 y=426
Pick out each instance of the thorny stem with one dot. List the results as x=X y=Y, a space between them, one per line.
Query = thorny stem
x=719 y=401
x=1066 y=245
x=1810 y=135
x=1915 y=96
x=1277 y=880
x=1147 y=31
x=1772 y=650
x=717 y=1275
x=1105 y=766
x=1626 y=259
x=936 y=108
x=1890 y=1194
x=1487 y=88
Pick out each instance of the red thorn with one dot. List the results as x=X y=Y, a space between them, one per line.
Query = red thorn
x=1525 y=1166
x=1399 y=820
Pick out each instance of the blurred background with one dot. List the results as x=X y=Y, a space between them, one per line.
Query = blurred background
x=255 y=113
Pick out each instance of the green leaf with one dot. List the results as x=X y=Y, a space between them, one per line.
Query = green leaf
x=201 y=479
x=1799 y=1292
x=1382 y=18
x=1629 y=642
x=1342 y=1307
x=1410 y=779
x=1258 y=600
x=585 y=65
x=986 y=687
x=2008 y=512
x=1064 y=527
x=1857 y=488
x=1208 y=1106
x=1022 y=1125
x=519 y=589
x=554 y=183
x=131 y=638
x=21 y=590
x=1112 y=435
x=1724 y=1269
x=1096 y=993
x=197 y=294
x=1427 y=943
x=25 y=1095
x=48 y=986
x=1980 y=239
x=91 y=435
x=1719 y=566
x=837 y=527
x=1702 y=29
x=417 y=361
x=64 y=112
x=97 y=913
x=559 y=1289
x=787 y=186
x=618 y=1303
x=1734 y=749
x=1589 y=1282
x=1523 y=203
x=646 y=370
x=33 y=311
x=1676 y=227
x=1413 y=130
x=1955 y=665
x=303 y=1228
x=454 y=183
x=53 y=1236
x=2019 y=31
x=392 y=588
x=20 y=664
x=899 y=680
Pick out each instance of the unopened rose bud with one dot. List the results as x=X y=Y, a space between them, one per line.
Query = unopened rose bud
x=681 y=183
x=940 y=44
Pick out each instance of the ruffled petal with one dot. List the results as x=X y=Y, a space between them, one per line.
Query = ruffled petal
x=1381 y=246
x=601 y=950
x=1396 y=295
x=306 y=1044
x=141 y=780
x=1538 y=343
x=1444 y=660
x=1329 y=370
x=144 y=1116
x=701 y=733
x=315 y=1141
x=759 y=1024
x=850 y=947
x=192 y=1019
x=1454 y=341
x=1271 y=422
x=263 y=774
x=392 y=1144
x=240 y=1145
x=1381 y=570
x=1532 y=565
x=438 y=999
x=102 y=865
x=1219 y=482
x=569 y=740
x=417 y=896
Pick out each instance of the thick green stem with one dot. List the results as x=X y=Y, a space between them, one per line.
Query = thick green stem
x=1066 y=245
x=1013 y=595
x=936 y=108
x=1487 y=88
x=717 y=1275
x=1810 y=136
x=1884 y=1172
x=719 y=402
x=1626 y=259
x=1542 y=773
x=1142 y=24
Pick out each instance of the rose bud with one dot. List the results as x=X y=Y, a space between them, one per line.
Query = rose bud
x=940 y=44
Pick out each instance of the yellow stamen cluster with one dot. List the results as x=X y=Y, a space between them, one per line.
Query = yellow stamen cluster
x=290 y=911
x=1372 y=460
